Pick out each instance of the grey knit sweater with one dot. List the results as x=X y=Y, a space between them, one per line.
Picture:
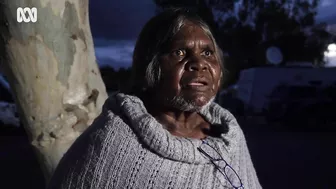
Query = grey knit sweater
x=127 y=148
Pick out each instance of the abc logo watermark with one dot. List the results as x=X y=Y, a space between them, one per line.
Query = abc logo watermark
x=22 y=15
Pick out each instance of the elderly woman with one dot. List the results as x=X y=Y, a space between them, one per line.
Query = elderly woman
x=164 y=131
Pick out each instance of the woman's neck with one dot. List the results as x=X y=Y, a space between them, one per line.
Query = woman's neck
x=179 y=123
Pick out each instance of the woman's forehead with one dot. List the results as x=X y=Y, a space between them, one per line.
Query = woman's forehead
x=191 y=32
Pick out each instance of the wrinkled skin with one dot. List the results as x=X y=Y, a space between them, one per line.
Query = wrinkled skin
x=191 y=57
x=191 y=76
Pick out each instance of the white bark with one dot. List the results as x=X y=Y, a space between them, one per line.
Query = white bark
x=52 y=72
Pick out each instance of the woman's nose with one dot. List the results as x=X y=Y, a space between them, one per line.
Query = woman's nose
x=197 y=64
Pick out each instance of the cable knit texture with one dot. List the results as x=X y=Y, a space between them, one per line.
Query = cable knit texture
x=126 y=147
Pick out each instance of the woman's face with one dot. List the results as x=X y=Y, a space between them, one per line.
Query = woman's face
x=190 y=68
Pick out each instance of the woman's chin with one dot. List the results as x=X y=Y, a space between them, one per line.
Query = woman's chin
x=199 y=99
x=191 y=103
x=200 y=102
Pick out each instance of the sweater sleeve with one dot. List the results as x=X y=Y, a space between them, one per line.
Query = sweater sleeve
x=77 y=167
x=241 y=159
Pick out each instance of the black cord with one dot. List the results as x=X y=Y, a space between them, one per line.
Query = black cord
x=216 y=130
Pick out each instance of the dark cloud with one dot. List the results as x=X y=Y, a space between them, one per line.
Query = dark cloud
x=120 y=19
x=326 y=12
x=331 y=19
x=124 y=19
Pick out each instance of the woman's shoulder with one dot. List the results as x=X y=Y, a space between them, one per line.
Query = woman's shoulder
x=217 y=115
x=108 y=122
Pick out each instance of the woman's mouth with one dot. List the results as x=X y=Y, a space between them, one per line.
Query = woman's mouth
x=196 y=84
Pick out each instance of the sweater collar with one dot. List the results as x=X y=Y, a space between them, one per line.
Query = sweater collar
x=159 y=140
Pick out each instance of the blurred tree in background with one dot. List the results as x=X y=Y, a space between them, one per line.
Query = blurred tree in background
x=115 y=79
x=246 y=28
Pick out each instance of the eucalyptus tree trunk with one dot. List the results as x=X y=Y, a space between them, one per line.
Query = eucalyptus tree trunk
x=52 y=72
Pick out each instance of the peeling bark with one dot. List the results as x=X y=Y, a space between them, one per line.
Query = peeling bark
x=52 y=72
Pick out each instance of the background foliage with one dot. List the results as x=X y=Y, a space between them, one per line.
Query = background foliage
x=246 y=28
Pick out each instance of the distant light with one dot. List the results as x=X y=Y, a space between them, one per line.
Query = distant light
x=332 y=47
x=330 y=55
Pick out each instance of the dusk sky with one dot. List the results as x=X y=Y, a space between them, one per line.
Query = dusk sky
x=121 y=19
x=124 y=19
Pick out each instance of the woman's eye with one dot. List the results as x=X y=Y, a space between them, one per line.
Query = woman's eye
x=208 y=53
x=179 y=52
